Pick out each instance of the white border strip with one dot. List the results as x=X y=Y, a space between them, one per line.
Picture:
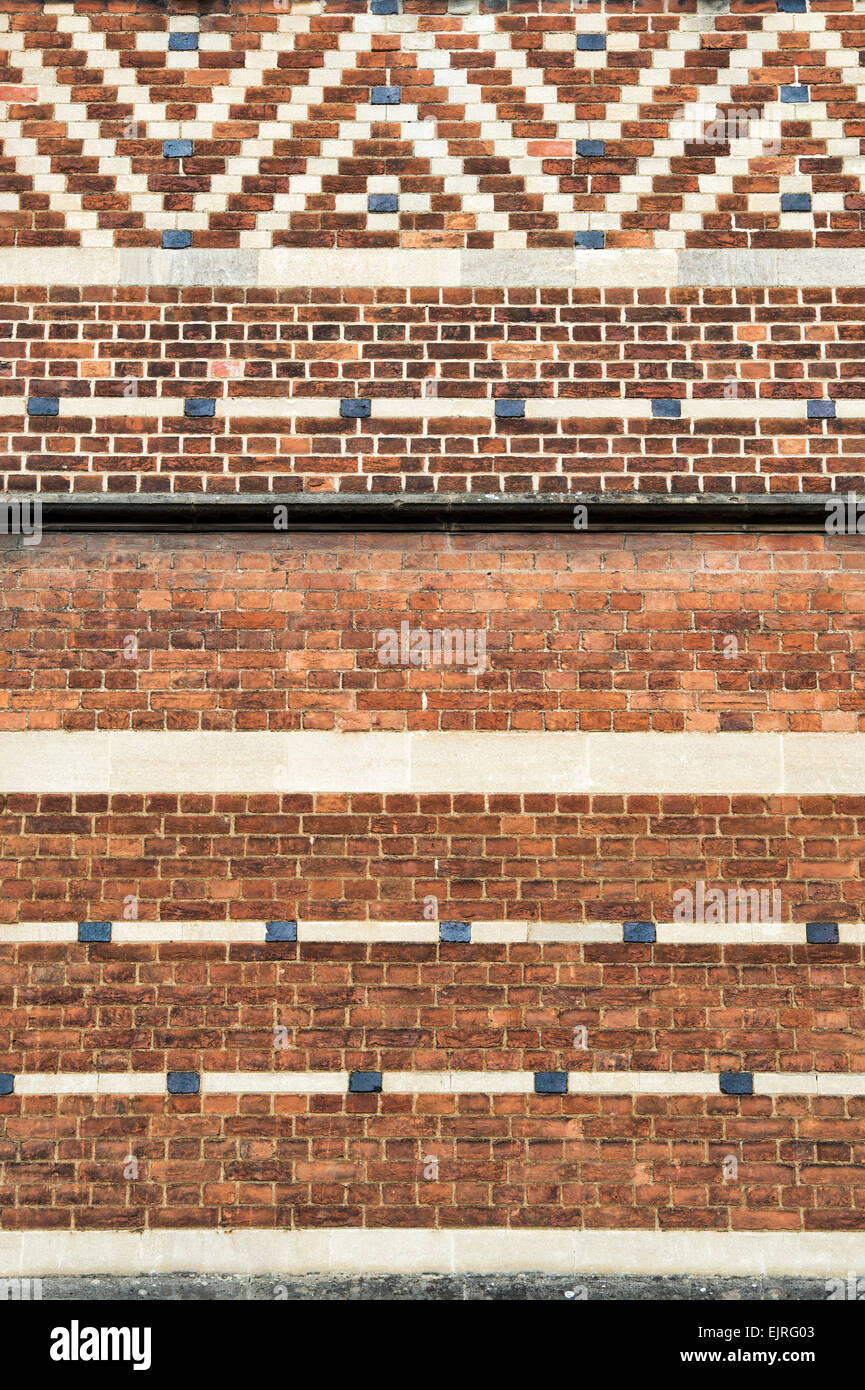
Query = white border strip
x=826 y=1254
x=492 y=1083
x=423 y=268
x=427 y=933
x=538 y=410
x=621 y=763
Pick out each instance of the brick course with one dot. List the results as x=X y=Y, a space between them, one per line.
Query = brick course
x=560 y=858
x=743 y=349
x=418 y=1007
x=583 y=632
x=589 y=1162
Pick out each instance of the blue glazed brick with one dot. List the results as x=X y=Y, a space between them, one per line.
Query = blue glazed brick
x=384 y=7
x=182 y=43
x=591 y=43
x=510 y=410
x=821 y=933
x=455 y=931
x=43 y=405
x=821 y=410
x=737 y=1083
x=642 y=932
x=7 y=1081
x=94 y=931
x=589 y=241
x=351 y=408
x=176 y=241
x=281 y=931
x=590 y=149
x=551 y=1083
x=198 y=406
x=183 y=1083
x=365 y=1081
x=386 y=96
x=382 y=202
x=663 y=409
x=792 y=6
x=176 y=149
x=790 y=94
x=795 y=202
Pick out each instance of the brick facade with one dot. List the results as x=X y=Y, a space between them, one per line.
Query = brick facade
x=432 y=363
x=503 y=130
x=641 y=632
x=535 y=251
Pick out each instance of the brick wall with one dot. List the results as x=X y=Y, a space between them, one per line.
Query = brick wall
x=271 y=251
x=740 y=366
x=298 y=117
x=610 y=1163
x=641 y=632
x=366 y=855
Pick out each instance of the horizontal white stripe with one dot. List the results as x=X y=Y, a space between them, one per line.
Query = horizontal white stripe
x=425 y=932
x=320 y=1083
x=327 y=269
x=723 y=764
x=822 y=1254
x=493 y=1083
x=104 y=1083
x=445 y=268
x=566 y=409
x=417 y=932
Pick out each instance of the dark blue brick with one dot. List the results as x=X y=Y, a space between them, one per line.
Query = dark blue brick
x=821 y=410
x=795 y=202
x=382 y=202
x=792 y=6
x=455 y=931
x=639 y=932
x=7 y=1081
x=198 y=406
x=591 y=43
x=351 y=408
x=183 y=1083
x=510 y=410
x=737 y=1083
x=664 y=409
x=384 y=7
x=551 y=1083
x=821 y=933
x=385 y=96
x=591 y=149
x=176 y=149
x=182 y=43
x=43 y=405
x=589 y=241
x=365 y=1081
x=790 y=94
x=176 y=241
x=94 y=931
x=281 y=931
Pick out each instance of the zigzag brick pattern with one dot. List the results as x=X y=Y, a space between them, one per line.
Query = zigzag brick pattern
x=479 y=134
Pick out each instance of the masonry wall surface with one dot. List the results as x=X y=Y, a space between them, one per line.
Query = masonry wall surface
x=321 y=962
